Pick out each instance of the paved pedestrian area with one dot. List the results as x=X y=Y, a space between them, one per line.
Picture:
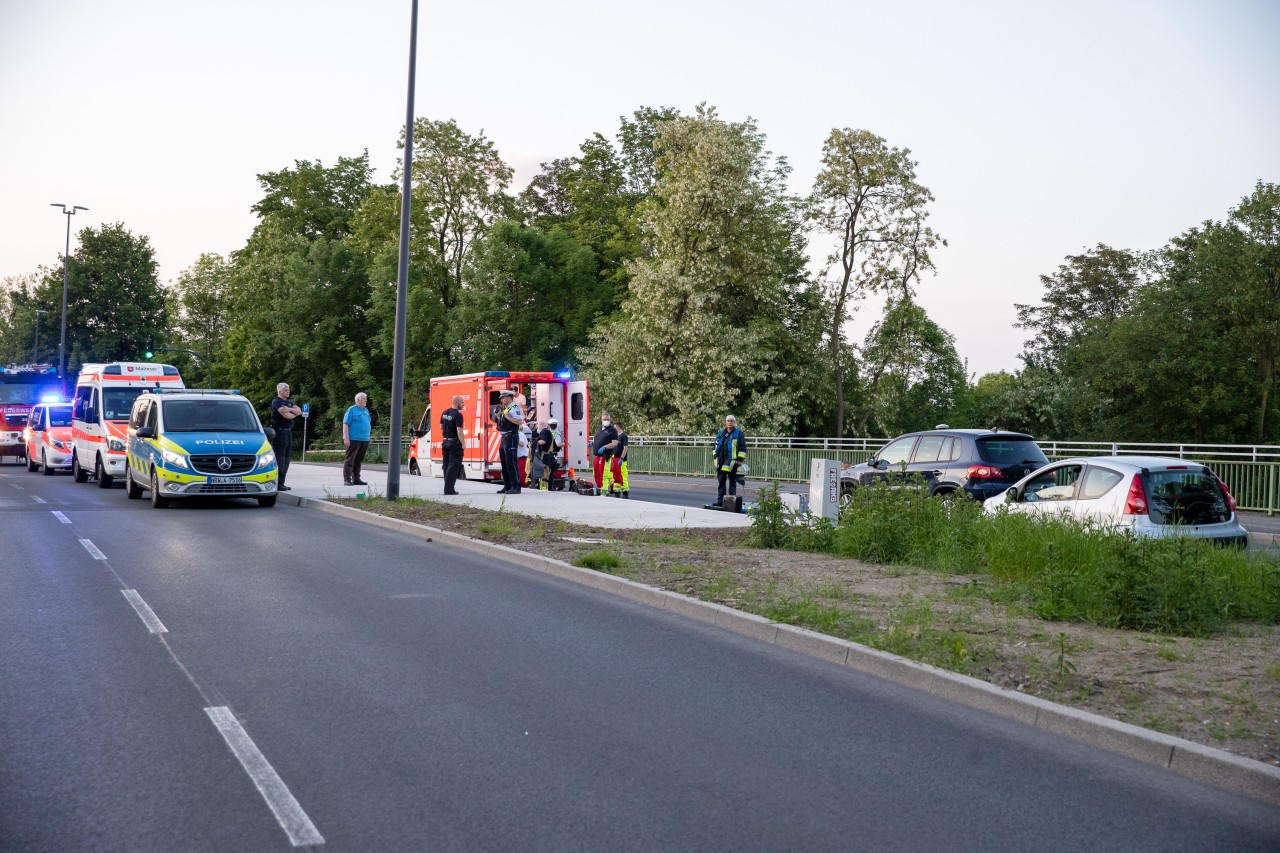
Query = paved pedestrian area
x=310 y=480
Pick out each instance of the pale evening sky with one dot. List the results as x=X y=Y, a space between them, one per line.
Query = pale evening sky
x=1041 y=128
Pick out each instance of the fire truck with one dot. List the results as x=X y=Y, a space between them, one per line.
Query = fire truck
x=23 y=386
x=548 y=395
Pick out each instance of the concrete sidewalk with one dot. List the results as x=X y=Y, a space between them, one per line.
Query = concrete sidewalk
x=321 y=481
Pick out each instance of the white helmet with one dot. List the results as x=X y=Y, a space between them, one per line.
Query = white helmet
x=553 y=422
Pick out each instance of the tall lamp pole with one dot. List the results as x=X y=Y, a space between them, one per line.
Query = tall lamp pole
x=402 y=280
x=62 y=343
x=35 y=353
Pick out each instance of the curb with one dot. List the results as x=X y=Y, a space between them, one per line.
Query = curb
x=1191 y=760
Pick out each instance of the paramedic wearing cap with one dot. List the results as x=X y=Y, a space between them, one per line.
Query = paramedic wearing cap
x=509 y=420
x=730 y=452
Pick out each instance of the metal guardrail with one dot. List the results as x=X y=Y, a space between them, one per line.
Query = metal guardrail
x=1251 y=472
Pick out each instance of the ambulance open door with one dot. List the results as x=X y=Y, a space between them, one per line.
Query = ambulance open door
x=577 y=426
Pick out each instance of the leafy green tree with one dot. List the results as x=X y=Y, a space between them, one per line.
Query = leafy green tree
x=18 y=321
x=912 y=374
x=114 y=299
x=298 y=294
x=535 y=296
x=710 y=323
x=867 y=196
x=595 y=195
x=1089 y=289
x=459 y=191
x=198 y=309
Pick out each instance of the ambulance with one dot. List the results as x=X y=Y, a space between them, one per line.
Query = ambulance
x=548 y=395
x=100 y=414
x=48 y=438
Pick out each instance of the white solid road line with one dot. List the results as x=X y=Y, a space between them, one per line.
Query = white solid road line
x=293 y=820
x=93 y=549
x=60 y=516
x=149 y=618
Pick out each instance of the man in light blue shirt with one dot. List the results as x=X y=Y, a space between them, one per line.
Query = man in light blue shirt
x=355 y=436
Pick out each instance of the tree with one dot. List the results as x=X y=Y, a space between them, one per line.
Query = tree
x=595 y=195
x=710 y=324
x=459 y=190
x=535 y=295
x=912 y=374
x=198 y=307
x=1089 y=289
x=114 y=299
x=298 y=293
x=867 y=196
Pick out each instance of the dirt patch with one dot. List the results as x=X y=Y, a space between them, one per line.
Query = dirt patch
x=1222 y=691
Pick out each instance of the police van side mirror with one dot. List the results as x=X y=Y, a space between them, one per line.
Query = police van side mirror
x=270 y=433
x=146 y=432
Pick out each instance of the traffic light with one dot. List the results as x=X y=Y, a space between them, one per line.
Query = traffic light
x=150 y=350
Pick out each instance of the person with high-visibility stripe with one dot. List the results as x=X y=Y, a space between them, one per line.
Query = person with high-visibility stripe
x=729 y=454
x=602 y=447
x=619 y=467
x=509 y=418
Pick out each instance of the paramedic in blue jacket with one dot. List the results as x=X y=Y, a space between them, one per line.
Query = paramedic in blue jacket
x=730 y=453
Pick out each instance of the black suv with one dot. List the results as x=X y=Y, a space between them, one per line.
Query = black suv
x=980 y=463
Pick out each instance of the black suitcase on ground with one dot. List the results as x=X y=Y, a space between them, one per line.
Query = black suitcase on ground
x=732 y=503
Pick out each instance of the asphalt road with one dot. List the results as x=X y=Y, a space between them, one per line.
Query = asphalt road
x=381 y=693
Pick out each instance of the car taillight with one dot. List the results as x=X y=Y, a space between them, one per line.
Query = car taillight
x=1136 y=503
x=1231 y=502
x=984 y=472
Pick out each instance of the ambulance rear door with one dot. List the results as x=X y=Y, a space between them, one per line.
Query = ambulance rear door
x=576 y=424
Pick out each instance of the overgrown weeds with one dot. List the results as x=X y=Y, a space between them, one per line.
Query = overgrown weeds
x=1061 y=570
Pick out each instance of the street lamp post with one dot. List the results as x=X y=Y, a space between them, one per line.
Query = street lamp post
x=402 y=278
x=62 y=342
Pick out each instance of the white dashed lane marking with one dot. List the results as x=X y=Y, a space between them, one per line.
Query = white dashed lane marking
x=93 y=549
x=149 y=618
x=293 y=820
x=60 y=516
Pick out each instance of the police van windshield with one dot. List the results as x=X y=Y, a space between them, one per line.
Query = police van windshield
x=234 y=415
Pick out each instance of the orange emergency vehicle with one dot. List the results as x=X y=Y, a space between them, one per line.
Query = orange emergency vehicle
x=100 y=414
x=548 y=395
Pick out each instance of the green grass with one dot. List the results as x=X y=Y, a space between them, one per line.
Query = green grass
x=600 y=561
x=1060 y=571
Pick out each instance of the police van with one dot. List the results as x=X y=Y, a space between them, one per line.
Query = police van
x=188 y=444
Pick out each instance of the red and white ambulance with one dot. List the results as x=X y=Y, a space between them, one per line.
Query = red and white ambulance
x=549 y=395
x=100 y=414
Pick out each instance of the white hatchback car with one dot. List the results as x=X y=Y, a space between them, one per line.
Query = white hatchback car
x=1145 y=495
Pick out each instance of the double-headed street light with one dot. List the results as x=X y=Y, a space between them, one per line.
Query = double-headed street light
x=62 y=343
x=35 y=354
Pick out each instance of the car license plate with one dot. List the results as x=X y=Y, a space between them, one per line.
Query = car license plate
x=224 y=481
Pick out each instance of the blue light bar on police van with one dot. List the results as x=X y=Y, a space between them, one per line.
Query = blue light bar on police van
x=51 y=398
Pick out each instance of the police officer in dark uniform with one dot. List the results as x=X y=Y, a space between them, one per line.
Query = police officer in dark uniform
x=509 y=419
x=451 y=431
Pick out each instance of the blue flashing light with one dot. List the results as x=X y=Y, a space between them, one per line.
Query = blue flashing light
x=564 y=374
x=498 y=373
x=51 y=398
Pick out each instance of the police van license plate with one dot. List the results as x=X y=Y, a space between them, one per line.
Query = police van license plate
x=225 y=481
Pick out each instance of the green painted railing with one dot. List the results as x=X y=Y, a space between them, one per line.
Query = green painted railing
x=1254 y=485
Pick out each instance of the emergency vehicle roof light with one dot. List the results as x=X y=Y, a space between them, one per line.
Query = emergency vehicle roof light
x=497 y=373
x=564 y=374
x=51 y=398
